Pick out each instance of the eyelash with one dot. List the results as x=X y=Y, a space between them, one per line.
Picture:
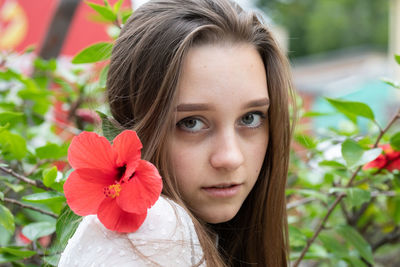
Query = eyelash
x=259 y=113
x=180 y=124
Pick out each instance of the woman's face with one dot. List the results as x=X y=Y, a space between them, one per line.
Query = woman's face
x=221 y=135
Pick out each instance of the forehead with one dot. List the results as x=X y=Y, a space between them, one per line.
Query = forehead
x=227 y=72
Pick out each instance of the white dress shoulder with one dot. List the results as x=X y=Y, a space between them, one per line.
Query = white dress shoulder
x=166 y=238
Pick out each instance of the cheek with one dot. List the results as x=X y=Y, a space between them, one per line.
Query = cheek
x=185 y=162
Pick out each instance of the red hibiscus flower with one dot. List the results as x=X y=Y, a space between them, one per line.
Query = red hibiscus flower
x=389 y=160
x=111 y=180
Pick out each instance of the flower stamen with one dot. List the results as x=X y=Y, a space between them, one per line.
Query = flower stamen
x=112 y=190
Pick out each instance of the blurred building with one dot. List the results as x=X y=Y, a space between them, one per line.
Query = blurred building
x=353 y=74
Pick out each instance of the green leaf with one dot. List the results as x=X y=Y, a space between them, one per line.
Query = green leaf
x=110 y=131
x=7 y=219
x=393 y=206
x=13 y=146
x=34 y=94
x=391 y=82
x=52 y=260
x=308 y=193
x=355 y=197
x=45 y=197
x=18 y=251
x=45 y=65
x=10 y=117
x=66 y=226
x=297 y=238
x=94 y=53
x=49 y=176
x=51 y=151
x=305 y=140
x=351 y=152
x=38 y=229
x=397 y=58
x=332 y=163
x=351 y=107
x=103 y=11
x=15 y=187
x=355 y=261
x=369 y=155
x=311 y=114
x=126 y=15
x=1 y=196
x=395 y=141
x=117 y=6
x=359 y=243
x=333 y=245
x=103 y=76
x=106 y=3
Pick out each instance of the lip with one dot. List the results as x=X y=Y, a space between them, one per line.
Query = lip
x=223 y=190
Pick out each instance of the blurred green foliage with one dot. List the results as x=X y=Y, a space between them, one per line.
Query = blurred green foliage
x=320 y=26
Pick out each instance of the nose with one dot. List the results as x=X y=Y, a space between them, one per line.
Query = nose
x=226 y=152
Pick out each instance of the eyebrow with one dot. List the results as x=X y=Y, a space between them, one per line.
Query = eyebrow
x=257 y=103
x=202 y=106
x=193 y=107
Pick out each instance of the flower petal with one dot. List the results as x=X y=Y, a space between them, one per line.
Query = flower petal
x=115 y=219
x=378 y=163
x=83 y=197
x=127 y=146
x=97 y=176
x=89 y=150
x=394 y=165
x=142 y=190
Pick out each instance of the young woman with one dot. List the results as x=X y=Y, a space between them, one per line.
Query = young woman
x=206 y=88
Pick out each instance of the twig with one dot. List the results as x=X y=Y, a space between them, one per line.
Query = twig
x=392 y=237
x=341 y=196
x=356 y=216
x=36 y=167
x=27 y=180
x=300 y=202
x=382 y=132
x=16 y=202
x=377 y=124
x=319 y=229
x=346 y=213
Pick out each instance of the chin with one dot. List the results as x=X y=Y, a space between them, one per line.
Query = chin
x=219 y=217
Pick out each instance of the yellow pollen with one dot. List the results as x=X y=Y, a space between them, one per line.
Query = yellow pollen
x=112 y=190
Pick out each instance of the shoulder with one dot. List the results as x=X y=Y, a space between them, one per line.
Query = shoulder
x=167 y=238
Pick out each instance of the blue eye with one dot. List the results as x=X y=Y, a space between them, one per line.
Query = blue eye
x=252 y=119
x=191 y=124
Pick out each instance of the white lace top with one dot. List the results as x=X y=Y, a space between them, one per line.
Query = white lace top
x=166 y=238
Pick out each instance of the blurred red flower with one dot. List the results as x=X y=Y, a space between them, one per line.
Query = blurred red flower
x=111 y=180
x=389 y=159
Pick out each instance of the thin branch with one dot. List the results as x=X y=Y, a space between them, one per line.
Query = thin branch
x=357 y=215
x=384 y=193
x=319 y=229
x=16 y=202
x=300 y=202
x=36 y=167
x=346 y=213
x=382 y=132
x=27 y=180
x=392 y=237
x=341 y=196
x=377 y=124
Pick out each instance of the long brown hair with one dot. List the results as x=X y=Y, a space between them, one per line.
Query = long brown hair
x=145 y=67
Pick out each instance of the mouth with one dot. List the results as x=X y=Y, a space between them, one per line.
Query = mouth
x=222 y=190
